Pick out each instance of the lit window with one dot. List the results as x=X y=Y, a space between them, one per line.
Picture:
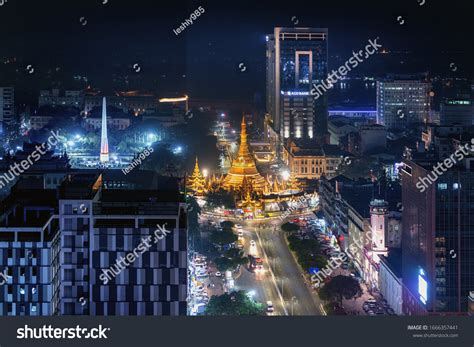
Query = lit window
x=442 y=186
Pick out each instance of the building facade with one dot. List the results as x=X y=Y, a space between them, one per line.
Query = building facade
x=311 y=162
x=297 y=59
x=438 y=255
x=403 y=102
x=55 y=97
x=7 y=108
x=104 y=236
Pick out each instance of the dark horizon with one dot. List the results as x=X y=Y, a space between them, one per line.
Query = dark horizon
x=203 y=60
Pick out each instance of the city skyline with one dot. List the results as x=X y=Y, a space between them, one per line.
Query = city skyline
x=208 y=159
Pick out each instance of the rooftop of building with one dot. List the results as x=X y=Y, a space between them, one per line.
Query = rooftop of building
x=28 y=205
x=393 y=261
x=138 y=185
x=372 y=126
x=304 y=148
x=80 y=185
x=359 y=197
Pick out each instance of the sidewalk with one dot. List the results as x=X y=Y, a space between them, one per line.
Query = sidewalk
x=354 y=306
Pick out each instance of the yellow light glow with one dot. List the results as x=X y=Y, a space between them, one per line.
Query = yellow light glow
x=184 y=98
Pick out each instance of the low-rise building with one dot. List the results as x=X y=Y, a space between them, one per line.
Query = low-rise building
x=390 y=280
x=307 y=161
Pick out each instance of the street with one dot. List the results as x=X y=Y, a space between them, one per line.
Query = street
x=281 y=282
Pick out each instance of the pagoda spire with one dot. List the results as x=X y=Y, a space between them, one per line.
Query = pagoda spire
x=197 y=180
x=104 y=141
x=243 y=165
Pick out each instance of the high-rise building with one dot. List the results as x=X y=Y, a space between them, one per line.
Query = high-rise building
x=29 y=252
x=99 y=244
x=102 y=227
x=7 y=109
x=54 y=97
x=457 y=103
x=438 y=229
x=296 y=60
x=402 y=102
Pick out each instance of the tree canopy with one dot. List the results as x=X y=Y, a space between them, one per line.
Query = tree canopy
x=234 y=304
x=227 y=224
x=223 y=237
x=290 y=227
x=340 y=287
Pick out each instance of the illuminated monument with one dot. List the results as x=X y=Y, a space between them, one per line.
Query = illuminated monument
x=197 y=181
x=243 y=167
x=255 y=196
x=104 y=142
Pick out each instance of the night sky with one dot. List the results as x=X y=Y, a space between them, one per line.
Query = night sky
x=203 y=60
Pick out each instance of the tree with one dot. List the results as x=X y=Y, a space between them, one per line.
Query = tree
x=340 y=287
x=193 y=222
x=227 y=224
x=290 y=227
x=234 y=304
x=234 y=253
x=224 y=264
x=224 y=237
x=221 y=198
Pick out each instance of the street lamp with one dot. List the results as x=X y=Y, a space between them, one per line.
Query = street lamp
x=293 y=301
x=282 y=281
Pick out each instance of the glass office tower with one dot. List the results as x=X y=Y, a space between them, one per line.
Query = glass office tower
x=297 y=59
x=438 y=238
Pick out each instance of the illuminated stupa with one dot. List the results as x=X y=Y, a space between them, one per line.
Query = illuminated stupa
x=243 y=166
x=196 y=181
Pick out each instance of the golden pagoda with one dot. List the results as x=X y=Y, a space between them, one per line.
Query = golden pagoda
x=292 y=183
x=197 y=181
x=243 y=166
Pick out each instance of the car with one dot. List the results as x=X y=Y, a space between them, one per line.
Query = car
x=218 y=274
x=238 y=226
x=252 y=243
x=240 y=245
x=240 y=233
x=270 y=308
